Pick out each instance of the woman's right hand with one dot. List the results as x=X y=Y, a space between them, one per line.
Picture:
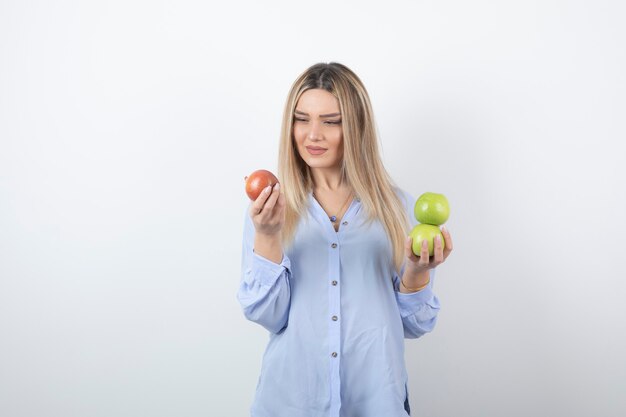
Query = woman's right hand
x=268 y=212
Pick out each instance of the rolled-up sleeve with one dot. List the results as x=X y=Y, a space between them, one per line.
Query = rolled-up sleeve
x=264 y=291
x=418 y=309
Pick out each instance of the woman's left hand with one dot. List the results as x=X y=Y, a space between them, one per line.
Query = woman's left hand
x=418 y=264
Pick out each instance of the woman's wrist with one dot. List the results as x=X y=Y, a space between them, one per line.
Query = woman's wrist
x=269 y=247
x=413 y=282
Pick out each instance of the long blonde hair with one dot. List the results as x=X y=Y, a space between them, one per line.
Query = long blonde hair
x=362 y=167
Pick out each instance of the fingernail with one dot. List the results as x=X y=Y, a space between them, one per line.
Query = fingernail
x=277 y=186
x=444 y=229
x=267 y=189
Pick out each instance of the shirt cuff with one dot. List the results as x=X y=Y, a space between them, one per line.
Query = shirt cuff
x=410 y=303
x=268 y=271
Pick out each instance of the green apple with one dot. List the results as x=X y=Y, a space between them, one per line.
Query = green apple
x=432 y=208
x=427 y=232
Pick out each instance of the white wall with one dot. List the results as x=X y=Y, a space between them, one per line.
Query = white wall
x=126 y=128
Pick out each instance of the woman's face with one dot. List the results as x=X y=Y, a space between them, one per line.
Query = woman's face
x=317 y=129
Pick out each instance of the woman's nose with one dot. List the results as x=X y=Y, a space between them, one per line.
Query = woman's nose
x=314 y=132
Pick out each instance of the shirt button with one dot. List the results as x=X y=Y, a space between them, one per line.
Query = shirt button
x=345 y=223
x=334 y=354
x=334 y=282
x=334 y=318
x=334 y=245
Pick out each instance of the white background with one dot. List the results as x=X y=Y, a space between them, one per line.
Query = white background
x=126 y=128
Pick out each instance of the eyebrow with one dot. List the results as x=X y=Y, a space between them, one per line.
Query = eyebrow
x=321 y=115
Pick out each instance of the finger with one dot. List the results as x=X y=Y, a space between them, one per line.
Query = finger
x=271 y=200
x=448 y=241
x=408 y=249
x=438 y=253
x=257 y=206
x=279 y=208
x=281 y=202
x=424 y=253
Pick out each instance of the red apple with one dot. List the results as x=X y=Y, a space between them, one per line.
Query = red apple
x=257 y=181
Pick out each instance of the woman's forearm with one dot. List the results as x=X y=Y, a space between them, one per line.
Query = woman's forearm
x=269 y=247
x=412 y=282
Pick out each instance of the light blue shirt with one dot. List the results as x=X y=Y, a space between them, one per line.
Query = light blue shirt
x=336 y=318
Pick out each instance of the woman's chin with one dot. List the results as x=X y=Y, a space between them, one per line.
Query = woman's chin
x=319 y=163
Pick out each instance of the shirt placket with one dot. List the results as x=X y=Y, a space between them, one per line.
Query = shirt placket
x=334 y=327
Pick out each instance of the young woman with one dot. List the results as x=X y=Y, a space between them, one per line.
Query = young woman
x=327 y=267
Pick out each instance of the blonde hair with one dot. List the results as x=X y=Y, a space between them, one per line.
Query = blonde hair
x=362 y=167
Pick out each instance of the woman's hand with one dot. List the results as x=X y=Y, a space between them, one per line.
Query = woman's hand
x=268 y=216
x=416 y=270
x=268 y=211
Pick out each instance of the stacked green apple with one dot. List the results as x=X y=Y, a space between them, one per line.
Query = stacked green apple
x=431 y=210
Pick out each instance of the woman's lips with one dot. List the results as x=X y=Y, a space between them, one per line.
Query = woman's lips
x=315 y=151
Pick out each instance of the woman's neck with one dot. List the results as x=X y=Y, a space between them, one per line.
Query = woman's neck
x=327 y=179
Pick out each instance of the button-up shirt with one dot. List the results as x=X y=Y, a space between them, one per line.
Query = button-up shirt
x=336 y=319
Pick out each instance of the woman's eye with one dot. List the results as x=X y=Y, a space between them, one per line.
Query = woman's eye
x=329 y=122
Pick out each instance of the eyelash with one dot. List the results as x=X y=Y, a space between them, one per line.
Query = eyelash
x=330 y=122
